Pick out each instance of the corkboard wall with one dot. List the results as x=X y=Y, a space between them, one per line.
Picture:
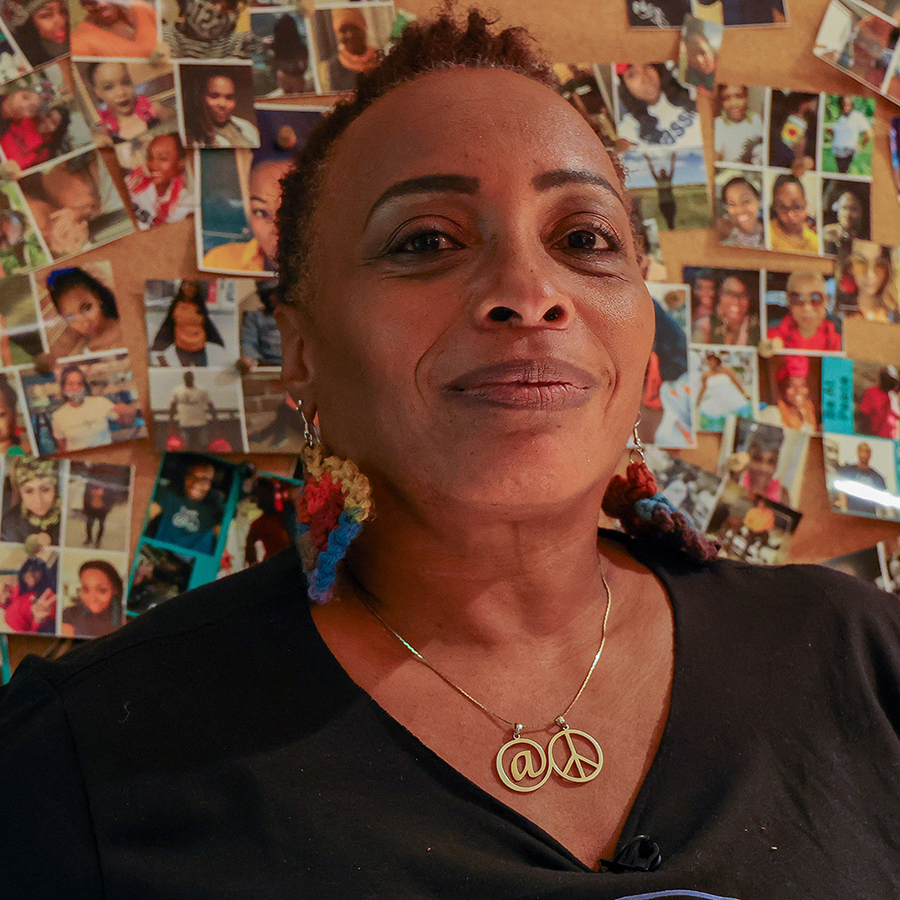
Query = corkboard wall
x=576 y=31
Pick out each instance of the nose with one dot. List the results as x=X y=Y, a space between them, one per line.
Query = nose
x=522 y=292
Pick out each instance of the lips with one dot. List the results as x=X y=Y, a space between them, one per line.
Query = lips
x=539 y=384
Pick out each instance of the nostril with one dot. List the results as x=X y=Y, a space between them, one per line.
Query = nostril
x=553 y=313
x=501 y=314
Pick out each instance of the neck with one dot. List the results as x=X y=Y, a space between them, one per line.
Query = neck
x=481 y=578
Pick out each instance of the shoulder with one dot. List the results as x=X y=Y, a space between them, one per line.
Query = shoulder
x=205 y=624
x=247 y=129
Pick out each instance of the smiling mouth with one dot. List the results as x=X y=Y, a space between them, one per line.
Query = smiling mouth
x=536 y=384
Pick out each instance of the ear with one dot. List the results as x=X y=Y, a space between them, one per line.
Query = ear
x=296 y=369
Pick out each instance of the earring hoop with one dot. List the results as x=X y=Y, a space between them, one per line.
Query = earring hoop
x=310 y=434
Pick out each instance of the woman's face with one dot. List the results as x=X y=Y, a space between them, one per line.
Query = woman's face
x=22 y=104
x=734 y=302
x=478 y=328
x=219 y=99
x=352 y=38
x=38 y=495
x=735 y=102
x=870 y=269
x=96 y=590
x=52 y=22
x=762 y=465
x=82 y=310
x=700 y=55
x=807 y=303
x=704 y=296
x=642 y=82
x=742 y=206
x=789 y=203
x=190 y=328
x=114 y=88
x=796 y=391
x=849 y=212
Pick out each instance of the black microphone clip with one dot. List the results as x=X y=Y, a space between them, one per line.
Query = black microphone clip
x=640 y=854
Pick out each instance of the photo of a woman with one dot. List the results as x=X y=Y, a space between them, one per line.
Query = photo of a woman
x=188 y=336
x=791 y=227
x=11 y=436
x=31 y=503
x=867 y=282
x=121 y=28
x=741 y=226
x=29 y=604
x=97 y=604
x=211 y=96
x=40 y=28
x=88 y=309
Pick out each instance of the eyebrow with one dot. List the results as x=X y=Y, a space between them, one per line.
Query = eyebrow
x=562 y=177
x=427 y=184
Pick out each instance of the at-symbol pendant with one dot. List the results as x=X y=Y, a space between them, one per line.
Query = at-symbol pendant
x=524 y=765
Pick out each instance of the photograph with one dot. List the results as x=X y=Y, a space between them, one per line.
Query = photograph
x=861 y=475
x=764 y=459
x=876 y=400
x=20 y=335
x=40 y=28
x=724 y=383
x=158 y=575
x=799 y=313
x=793 y=128
x=21 y=249
x=857 y=41
x=125 y=29
x=197 y=410
x=790 y=391
x=848 y=124
x=751 y=527
x=742 y=12
x=864 y=564
x=260 y=337
x=12 y=62
x=687 y=487
x=793 y=216
x=92 y=591
x=739 y=219
x=199 y=29
x=98 y=506
x=846 y=213
x=90 y=402
x=217 y=104
x=868 y=281
x=79 y=310
x=698 y=52
x=666 y=414
x=349 y=40
x=29 y=589
x=657 y=13
x=589 y=89
x=41 y=117
x=740 y=135
x=889 y=556
x=127 y=100
x=264 y=522
x=32 y=501
x=159 y=179
x=14 y=434
x=273 y=419
x=282 y=63
x=725 y=306
x=190 y=323
x=76 y=205
x=188 y=503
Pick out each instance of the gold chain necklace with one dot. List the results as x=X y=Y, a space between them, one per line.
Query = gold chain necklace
x=523 y=764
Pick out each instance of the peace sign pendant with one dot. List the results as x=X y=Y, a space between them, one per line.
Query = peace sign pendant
x=524 y=765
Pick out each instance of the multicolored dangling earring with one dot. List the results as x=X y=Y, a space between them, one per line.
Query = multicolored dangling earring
x=636 y=502
x=336 y=501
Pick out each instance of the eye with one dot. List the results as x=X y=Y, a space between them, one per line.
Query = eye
x=425 y=242
x=586 y=240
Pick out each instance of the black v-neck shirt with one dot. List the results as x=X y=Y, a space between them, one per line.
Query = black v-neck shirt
x=214 y=748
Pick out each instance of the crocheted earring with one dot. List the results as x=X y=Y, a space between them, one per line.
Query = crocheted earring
x=336 y=501
x=636 y=502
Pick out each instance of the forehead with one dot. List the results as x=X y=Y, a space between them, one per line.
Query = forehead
x=463 y=121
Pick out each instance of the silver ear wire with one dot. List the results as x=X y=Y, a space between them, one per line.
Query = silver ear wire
x=638 y=444
x=310 y=435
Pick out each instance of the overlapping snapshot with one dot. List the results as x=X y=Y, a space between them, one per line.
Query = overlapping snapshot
x=672 y=13
x=793 y=169
x=208 y=518
x=63 y=546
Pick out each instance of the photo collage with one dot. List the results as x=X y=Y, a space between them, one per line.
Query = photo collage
x=64 y=546
x=208 y=518
x=214 y=353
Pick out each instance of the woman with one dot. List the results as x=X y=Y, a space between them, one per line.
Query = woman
x=41 y=29
x=120 y=28
x=10 y=433
x=88 y=309
x=354 y=56
x=794 y=407
x=212 y=122
x=654 y=108
x=721 y=394
x=97 y=609
x=738 y=129
x=867 y=285
x=846 y=215
x=188 y=336
x=83 y=420
x=791 y=228
x=34 y=507
x=741 y=226
x=475 y=336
